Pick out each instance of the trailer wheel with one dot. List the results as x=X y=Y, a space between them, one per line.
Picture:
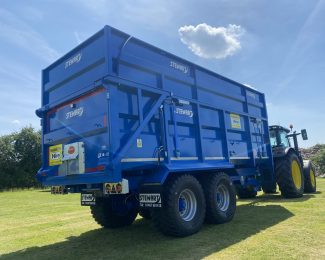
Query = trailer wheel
x=289 y=176
x=220 y=198
x=145 y=213
x=310 y=178
x=183 y=209
x=245 y=193
x=104 y=215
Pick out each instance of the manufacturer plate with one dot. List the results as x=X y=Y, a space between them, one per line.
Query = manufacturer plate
x=88 y=199
x=150 y=200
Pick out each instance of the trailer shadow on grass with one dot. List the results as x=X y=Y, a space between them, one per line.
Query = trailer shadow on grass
x=142 y=241
x=279 y=199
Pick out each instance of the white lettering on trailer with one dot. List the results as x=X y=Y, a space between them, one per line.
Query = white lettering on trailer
x=77 y=112
x=178 y=66
x=74 y=59
x=184 y=112
x=150 y=198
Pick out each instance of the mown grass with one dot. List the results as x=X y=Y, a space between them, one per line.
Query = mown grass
x=38 y=225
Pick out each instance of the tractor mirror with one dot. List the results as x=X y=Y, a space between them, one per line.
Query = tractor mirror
x=304 y=134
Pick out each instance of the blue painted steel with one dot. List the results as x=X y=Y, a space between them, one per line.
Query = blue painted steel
x=146 y=113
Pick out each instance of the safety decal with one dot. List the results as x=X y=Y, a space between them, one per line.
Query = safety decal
x=139 y=143
x=55 y=155
x=235 y=121
x=113 y=188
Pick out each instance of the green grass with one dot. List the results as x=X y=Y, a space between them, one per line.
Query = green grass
x=38 y=225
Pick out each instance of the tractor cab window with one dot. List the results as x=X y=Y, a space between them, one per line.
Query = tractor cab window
x=278 y=137
x=284 y=141
x=273 y=138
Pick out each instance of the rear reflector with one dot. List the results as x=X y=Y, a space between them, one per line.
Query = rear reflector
x=99 y=168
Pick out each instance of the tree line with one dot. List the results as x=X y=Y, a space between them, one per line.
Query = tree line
x=20 y=159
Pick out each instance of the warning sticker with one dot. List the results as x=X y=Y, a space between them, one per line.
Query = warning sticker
x=235 y=121
x=110 y=188
x=55 y=155
x=139 y=143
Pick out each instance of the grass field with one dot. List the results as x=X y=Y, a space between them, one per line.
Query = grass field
x=38 y=225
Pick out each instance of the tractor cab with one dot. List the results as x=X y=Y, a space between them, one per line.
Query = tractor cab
x=293 y=174
x=281 y=140
x=278 y=136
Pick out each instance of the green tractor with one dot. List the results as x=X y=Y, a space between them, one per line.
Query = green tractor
x=294 y=175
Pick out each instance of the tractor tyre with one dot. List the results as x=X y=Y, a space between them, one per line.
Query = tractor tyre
x=183 y=209
x=220 y=196
x=310 y=178
x=269 y=190
x=245 y=193
x=104 y=215
x=145 y=213
x=289 y=176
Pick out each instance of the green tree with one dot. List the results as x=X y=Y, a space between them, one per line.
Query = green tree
x=20 y=158
x=319 y=161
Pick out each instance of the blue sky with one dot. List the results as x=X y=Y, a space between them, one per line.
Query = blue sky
x=276 y=47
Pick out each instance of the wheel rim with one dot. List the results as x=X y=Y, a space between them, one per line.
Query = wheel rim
x=296 y=174
x=187 y=205
x=312 y=178
x=223 y=197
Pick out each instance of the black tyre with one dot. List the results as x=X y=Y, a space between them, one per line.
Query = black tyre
x=309 y=177
x=270 y=189
x=183 y=209
x=220 y=196
x=145 y=213
x=245 y=193
x=289 y=176
x=104 y=215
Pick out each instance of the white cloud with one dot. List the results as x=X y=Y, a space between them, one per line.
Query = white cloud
x=212 y=42
x=15 y=122
x=14 y=30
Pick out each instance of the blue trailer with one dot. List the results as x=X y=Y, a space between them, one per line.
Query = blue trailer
x=134 y=128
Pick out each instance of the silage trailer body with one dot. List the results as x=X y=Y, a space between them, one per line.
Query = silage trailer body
x=118 y=110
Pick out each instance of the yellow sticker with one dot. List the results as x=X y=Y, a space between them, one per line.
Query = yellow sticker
x=235 y=121
x=55 y=154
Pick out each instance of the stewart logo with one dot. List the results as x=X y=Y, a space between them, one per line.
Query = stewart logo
x=184 y=112
x=74 y=59
x=178 y=66
x=77 y=112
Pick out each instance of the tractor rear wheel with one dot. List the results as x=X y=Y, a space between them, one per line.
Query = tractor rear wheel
x=310 y=178
x=220 y=196
x=104 y=215
x=184 y=207
x=289 y=176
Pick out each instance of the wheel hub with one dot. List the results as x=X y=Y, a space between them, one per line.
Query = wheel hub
x=296 y=174
x=223 y=197
x=187 y=205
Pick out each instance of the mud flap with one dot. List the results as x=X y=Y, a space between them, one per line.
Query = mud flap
x=150 y=196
